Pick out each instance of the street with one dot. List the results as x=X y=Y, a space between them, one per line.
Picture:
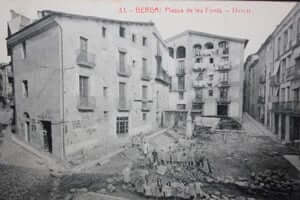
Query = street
x=235 y=159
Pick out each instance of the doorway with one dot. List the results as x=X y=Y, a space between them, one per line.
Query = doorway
x=282 y=127
x=222 y=110
x=47 y=133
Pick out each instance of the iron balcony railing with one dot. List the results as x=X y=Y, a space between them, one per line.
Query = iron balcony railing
x=86 y=103
x=224 y=66
x=287 y=106
x=293 y=73
x=199 y=84
x=86 y=59
x=198 y=67
x=224 y=83
x=223 y=100
x=198 y=100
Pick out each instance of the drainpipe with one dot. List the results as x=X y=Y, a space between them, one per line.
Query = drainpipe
x=63 y=92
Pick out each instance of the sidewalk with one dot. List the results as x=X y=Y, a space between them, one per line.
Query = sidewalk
x=256 y=128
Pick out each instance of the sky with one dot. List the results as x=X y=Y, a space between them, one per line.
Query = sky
x=254 y=21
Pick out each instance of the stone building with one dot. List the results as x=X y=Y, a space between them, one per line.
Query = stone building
x=280 y=67
x=6 y=84
x=83 y=82
x=208 y=75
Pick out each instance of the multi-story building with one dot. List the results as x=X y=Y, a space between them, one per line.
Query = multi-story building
x=84 y=82
x=6 y=84
x=208 y=75
x=280 y=65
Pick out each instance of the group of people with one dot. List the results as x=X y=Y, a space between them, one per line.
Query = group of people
x=186 y=156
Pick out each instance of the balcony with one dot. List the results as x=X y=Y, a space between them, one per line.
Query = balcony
x=199 y=84
x=287 y=107
x=262 y=79
x=223 y=100
x=224 y=83
x=86 y=103
x=180 y=71
x=145 y=106
x=261 y=100
x=146 y=76
x=124 y=105
x=124 y=71
x=198 y=100
x=223 y=66
x=293 y=73
x=198 y=67
x=86 y=59
x=274 y=81
x=163 y=77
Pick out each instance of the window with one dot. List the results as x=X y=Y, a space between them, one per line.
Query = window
x=278 y=46
x=105 y=114
x=171 y=52
x=83 y=86
x=103 y=32
x=211 y=60
x=181 y=83
x=197 y=49
x=285 y=40
x=211 y=77
x=145 y=92
x=224 y=76
x=209 y=84
x=122 y=91
x=223 y=93
x=83 y=44
x=199 y=60
x=24 y=49
x=105 y=91
x=144 y=41
x=144 y=70
x=122 y=32
x=223 y=44
x=122 y=125
x=209 y=45
x=181 y=95
x=144 y=116
x=122 y=56
x=199 y=93
x=210 y=93
x=291 y=35
x=25 y=88
x=133 y=38
x=133 y=63
x=180 y=52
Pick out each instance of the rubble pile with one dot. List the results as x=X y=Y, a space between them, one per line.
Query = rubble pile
x=270 y=180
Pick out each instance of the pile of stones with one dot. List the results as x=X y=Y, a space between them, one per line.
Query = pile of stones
x=271 y=180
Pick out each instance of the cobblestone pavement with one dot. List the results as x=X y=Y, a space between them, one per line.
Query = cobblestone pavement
x=23 y=176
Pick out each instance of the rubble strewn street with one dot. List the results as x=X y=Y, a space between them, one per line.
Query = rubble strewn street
x=209 y=166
